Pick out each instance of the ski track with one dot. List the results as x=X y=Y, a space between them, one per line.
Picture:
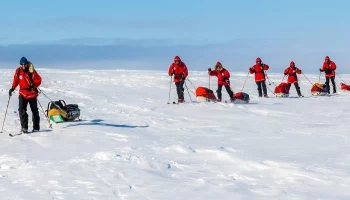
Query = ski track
x=131 y=144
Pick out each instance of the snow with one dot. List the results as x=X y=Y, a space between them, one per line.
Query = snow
x=131 y=144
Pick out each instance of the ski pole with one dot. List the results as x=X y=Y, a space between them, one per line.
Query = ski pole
x=245 y=81
x=308 y=79
x=209 y=80
x=188 y=92
x=42 y=110
x=319 y=77
x=8 y=102
x=171 y=80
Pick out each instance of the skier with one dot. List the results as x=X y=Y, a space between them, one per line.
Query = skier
x=28 y=80
x=292 y=72
x=180 y=72
x=329 y=68
x=223 y=80
x=259 y=69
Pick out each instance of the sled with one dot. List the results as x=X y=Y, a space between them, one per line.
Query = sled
x=344 y=87
x=59 y=111
x=282 y=90
x=319 y=89
x=204 y=94
x=241 y=97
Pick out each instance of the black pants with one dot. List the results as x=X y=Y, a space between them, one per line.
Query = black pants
x=296 y=87
x=228 y=89
x=333 y=83
x=180 y=89
x=33 y=103
x=262 y=84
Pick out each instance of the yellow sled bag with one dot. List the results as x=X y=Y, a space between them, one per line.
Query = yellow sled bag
x=59 y=111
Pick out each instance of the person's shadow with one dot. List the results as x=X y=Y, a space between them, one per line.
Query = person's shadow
x=99 y=122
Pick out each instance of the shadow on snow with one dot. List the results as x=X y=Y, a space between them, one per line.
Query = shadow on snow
x=99 y=122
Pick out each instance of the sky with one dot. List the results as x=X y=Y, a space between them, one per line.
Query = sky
x=200 y=31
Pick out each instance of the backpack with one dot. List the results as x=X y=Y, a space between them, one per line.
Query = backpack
x=282 y=90
x=242 y=97
x=319 y=89
x=59 y=111
x=204 y=94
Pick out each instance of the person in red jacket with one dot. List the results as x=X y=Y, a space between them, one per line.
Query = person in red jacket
x=292 y=72
x=180 y=72
x=329 y=68
x=223 y=80
x=28 y=80
x=258 y=69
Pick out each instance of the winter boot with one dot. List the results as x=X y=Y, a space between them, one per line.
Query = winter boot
x=24 y=130
x=180 y=100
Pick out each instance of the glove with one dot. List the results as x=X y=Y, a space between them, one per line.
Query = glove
x=285 y=73
x=209 y=69
x=320 y=70
x=170 y=74
x=10 y=91
x=183 y=78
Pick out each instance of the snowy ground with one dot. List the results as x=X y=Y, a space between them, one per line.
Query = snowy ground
x=131 y=144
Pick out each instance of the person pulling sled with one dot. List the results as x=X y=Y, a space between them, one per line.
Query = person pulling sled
x=292 y=72
x=180 y=72
x=223 y=80
x=329 y=68
x=259 y=70
x=28 y=80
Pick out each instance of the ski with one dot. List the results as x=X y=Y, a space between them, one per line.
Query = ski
x=13 y=135
x=29 y=133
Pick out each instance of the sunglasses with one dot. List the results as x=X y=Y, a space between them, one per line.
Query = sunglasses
x=23 y=64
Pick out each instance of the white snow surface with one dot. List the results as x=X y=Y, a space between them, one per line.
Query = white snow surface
x=131 y=144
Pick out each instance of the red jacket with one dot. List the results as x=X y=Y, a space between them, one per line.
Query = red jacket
x=329 y=68
x=292 y=74
x=258 y=69
x=28 y=83
x=223 y=76
x=178 y=70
